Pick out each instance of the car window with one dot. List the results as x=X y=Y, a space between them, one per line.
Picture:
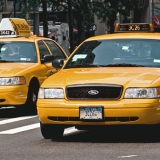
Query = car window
x=18 y=52
x=42 y=49
x=117 y=52
x=56 y=51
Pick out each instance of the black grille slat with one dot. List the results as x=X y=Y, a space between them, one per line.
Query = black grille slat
x=104 y=92
x=106 y=119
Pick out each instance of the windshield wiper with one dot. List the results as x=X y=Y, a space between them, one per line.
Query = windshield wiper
x=108 y=65
x=124 y=65
x=85 y=65
x=6 y=61
x=91 y=65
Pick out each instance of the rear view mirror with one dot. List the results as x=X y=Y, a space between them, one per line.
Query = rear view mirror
x=57 y=63
x=47 y=58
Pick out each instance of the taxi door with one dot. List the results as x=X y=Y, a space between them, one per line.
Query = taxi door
x=46 y=69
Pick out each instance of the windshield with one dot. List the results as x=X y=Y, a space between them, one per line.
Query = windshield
x=17 y=52
x=117 y=53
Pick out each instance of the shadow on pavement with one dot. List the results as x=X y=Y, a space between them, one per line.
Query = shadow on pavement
x=121 y=134
x=8 y=112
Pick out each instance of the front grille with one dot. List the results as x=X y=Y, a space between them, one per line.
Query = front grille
x=94 y=91
x=2 y=100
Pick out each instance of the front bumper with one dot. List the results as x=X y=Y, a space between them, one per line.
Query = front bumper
x=13 y=95
x=123 y=112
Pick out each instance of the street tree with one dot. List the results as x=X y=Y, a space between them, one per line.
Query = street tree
x=107 y=10
x=82 y=11
x=27 y=6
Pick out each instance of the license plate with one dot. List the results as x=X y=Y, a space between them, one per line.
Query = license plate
x=91 y=113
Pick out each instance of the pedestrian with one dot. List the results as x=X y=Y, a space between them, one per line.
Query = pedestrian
x=65 y=45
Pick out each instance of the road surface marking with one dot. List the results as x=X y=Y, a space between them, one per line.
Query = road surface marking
x=34 y=126
x=7 y=107
x=21 y=129
x=15 y=119
x=129 y=156
x=70 y=130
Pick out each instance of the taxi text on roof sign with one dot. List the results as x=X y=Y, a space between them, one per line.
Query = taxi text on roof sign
x=133 y=27
x=14 y=27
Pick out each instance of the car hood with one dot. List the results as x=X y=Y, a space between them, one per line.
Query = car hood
x=11 y=69
x=111 y=75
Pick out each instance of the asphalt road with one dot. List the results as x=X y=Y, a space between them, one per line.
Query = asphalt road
x=20 y=139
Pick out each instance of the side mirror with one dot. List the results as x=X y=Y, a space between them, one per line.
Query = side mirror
x=47 y=58
x=57 y=63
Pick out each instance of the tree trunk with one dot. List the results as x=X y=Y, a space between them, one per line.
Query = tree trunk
x=45 y=23
x=80 y=32
x=70 y=15
x=112 y=26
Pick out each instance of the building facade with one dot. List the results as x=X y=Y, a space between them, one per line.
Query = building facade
x=12 y=8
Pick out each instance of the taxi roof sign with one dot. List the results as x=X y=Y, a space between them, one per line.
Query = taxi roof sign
x=14 y=27
x=134 y=27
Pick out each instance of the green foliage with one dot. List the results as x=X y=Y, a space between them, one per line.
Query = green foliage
x=84 y=10
x=109 y=8
x=26 y=6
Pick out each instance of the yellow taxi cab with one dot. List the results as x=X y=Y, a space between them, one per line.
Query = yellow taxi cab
x=25 y=62
x=109 y=80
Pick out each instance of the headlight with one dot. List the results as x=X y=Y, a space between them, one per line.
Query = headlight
x=12 y=81
x=50 y=93
x=142 y=93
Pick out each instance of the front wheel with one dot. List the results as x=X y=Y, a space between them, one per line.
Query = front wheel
x=30 y=105
x=50 y=131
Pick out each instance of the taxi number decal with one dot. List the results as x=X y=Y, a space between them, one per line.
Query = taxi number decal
x=133 y=27
x=7 y=32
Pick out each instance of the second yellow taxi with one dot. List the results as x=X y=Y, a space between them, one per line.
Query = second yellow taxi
x=25 y=62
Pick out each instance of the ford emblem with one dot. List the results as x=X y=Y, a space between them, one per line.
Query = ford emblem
x=93 y=92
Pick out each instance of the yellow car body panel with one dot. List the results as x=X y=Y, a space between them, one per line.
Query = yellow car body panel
x=128 y=77
x=16 y=95
x=126 y=35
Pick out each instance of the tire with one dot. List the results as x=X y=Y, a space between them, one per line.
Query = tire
x=30 y=105
x=50 y=131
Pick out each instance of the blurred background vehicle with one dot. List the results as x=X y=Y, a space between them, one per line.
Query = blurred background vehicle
x=156 y=19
